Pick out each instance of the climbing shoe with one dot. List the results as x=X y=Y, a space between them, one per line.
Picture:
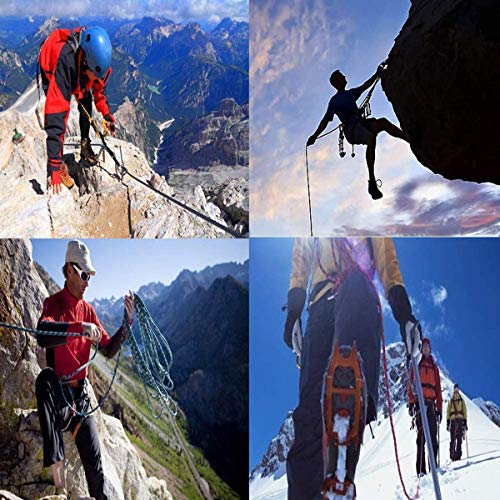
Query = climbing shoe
x=344 y=415
x=86 y=153
x=373 y=189
x=66 y=179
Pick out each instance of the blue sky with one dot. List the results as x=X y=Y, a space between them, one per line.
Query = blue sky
x=453 y=284
x=177 y=10
x=295 y=45
x=127 y=264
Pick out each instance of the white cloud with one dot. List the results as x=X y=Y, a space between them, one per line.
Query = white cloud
x=177 y=10
x=439 y=294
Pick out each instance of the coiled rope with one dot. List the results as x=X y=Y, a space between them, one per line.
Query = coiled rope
x=151 y=356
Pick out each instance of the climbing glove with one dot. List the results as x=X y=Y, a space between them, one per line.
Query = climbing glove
x=412 y=410
x=295 y=304
x=401 y=310
x=439 y=416
x=311 y=140
x=465 y=425
x=448 y=423
x=111 y=123
x=91 y=331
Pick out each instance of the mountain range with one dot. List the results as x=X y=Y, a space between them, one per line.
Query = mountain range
x=376 y=475
x=204 y=315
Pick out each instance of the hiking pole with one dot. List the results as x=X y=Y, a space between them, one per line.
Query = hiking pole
x=425 y=422
x=439 y=445
x=466 y=443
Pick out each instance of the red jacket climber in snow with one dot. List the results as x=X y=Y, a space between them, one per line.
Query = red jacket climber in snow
x=73 y=63
x=430 y=380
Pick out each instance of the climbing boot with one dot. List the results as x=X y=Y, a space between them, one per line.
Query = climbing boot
x=86 y=153
x=344 y=415
x=66 y=179
x=373 y=189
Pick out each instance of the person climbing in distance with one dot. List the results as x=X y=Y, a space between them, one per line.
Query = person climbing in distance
x=341 y=351
x=431 y=390
x=358 y=130
x=75 y=63
x=63 y=386
x=456 y=422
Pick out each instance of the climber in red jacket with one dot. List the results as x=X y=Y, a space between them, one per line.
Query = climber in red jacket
x=431 y=389
x=75 y=63
x=62 y=387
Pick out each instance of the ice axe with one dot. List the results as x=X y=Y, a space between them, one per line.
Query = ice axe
x=297 y=342
x=417 y=389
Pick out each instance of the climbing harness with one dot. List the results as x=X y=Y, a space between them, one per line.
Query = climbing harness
x=121 y=170
x=365 y=109
x=151 y=355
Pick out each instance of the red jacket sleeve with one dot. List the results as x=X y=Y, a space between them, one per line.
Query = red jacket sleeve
x=100 y=98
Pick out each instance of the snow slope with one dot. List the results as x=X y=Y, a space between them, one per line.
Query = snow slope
x=377 y=475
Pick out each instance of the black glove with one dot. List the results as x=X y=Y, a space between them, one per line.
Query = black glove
x=295 y=304
x=448 y=423
x=110 y=119
x=465 y=425
x=380 y=69
x=401 y=310
x=412 y=410
x=311 y=140
x=439 y=416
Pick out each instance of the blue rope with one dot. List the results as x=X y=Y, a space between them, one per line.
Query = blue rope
x=152 y=358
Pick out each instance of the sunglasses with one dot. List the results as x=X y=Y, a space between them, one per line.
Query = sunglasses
x=83 y=275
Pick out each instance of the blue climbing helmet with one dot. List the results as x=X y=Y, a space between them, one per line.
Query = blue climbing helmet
x=96 y=44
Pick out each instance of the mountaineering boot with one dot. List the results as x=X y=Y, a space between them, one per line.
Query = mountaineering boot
x=86 y=153
x=66 y=179
x=373 y=189
x=344 y=413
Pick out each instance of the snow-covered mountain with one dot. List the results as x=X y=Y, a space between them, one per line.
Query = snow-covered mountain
x=490 y=409
x=377 y=475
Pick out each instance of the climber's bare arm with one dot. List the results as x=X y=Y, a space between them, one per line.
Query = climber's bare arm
x=365 y=86
x=322 y=125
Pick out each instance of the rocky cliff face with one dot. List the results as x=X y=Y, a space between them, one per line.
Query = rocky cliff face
x=101 y=205
x=21 y=294
x=490 y=409
x=219 y=138
x=442 y=81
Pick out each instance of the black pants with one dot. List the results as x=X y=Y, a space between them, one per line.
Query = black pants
x=85 y=102
x=456 y=435
x=351 y=315
x=55 y=416
x=431 y=418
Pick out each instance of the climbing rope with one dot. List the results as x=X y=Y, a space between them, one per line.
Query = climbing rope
x=151 y=356
x=121 y=167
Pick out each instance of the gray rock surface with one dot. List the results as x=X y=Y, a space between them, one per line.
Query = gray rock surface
x=101 y=205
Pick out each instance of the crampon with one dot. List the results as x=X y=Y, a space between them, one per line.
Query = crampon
x=344 y=411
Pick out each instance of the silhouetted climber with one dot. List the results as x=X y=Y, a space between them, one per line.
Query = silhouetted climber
x=357 y=129
x=456 y=423
x=431 y=389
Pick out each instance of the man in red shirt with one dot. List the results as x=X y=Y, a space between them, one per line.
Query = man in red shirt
x=75 y=63
x=62 y=387
x=431 y=389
